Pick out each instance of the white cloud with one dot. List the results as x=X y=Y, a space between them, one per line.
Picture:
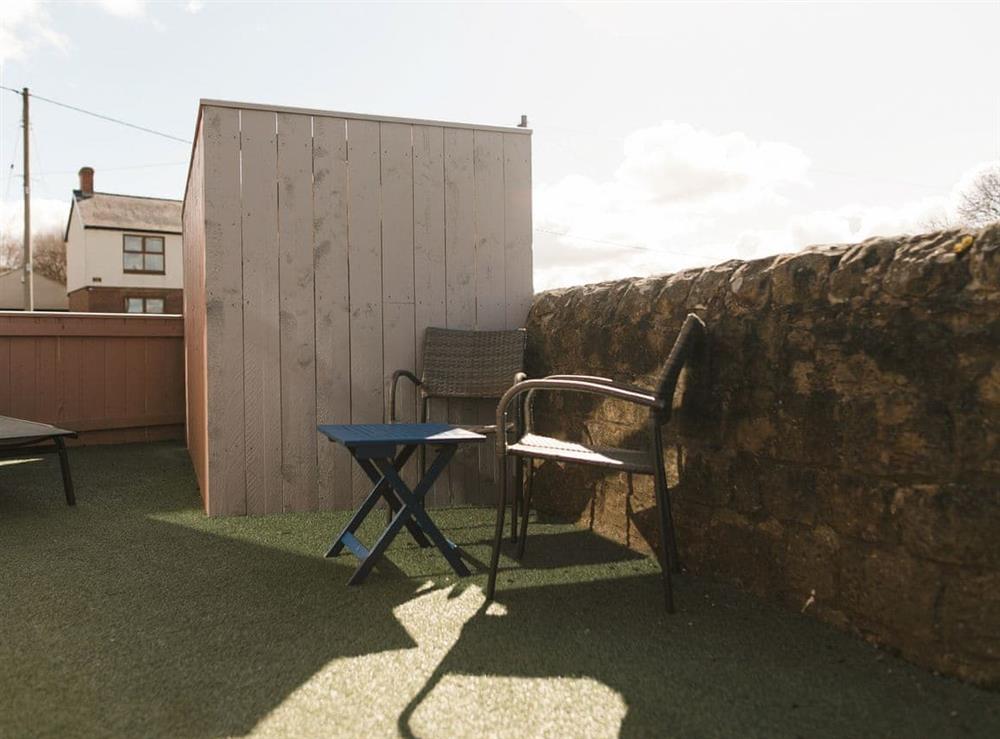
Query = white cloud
x=675 y=162
x=46 y=214
x=124 y=8
x=682 y=197
x=194 y=6
x=25 y=25
x=674 y=186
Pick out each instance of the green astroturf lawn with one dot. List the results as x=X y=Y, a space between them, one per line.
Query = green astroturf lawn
x=133 y=614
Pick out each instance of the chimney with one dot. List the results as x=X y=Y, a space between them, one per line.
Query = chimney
x=86 y=181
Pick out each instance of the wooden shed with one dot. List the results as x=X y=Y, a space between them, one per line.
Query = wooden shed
x=318 y=246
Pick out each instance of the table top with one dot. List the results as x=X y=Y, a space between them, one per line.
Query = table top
x=17 y=429
x=381 y=434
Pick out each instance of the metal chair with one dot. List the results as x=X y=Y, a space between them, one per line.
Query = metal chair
x=467 y=364
x=647 y=461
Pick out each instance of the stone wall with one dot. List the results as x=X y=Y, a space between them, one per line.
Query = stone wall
x=837 y=447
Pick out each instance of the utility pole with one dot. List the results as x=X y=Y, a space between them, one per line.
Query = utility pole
x=29 y=293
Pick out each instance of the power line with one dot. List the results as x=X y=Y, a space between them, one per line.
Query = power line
x=10 y=170
x=101 y=116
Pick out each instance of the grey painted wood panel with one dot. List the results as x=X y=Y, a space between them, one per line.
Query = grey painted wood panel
x=397 y=259
x=490 y=275
x=329 y=249
x=429 y=278
x=365 y=256
x=460 y=269
x=333 y=330
x=261 y=334
x=517 y=228
x=195 y=370
x=224 y=312
x=297 y=313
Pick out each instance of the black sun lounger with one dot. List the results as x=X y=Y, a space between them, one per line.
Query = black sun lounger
x=20 y=439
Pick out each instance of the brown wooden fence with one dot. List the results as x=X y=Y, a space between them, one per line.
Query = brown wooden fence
x=111 y=377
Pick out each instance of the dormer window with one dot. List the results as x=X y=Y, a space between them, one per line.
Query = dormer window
x=143 y=254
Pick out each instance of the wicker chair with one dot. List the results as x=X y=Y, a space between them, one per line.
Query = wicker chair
x=467 y=364
x=648 y=461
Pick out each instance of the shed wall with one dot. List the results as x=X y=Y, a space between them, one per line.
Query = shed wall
x=318 y=247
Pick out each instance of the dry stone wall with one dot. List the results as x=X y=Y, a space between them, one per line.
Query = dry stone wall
x=837 y=447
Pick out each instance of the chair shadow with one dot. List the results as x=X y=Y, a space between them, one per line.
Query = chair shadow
x=723 y=665
x=125 y=616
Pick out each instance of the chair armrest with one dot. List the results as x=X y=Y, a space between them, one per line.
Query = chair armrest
x=522 y=421
x=392 y=389
x=529 y=400
x=603 y=381
x=569 y=385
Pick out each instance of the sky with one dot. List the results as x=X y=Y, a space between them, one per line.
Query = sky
x=666 y=136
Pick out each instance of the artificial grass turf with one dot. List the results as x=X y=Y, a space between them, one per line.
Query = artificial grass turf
x=133 y=614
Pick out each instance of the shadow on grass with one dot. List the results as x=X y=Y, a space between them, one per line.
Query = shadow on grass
x=724 y=665
x=133 y=614
x=118 y=622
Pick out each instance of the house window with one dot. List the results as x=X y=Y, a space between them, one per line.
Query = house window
x=143 y=254
x=144 y=305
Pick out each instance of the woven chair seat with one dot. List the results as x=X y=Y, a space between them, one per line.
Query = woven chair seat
x=545 y=447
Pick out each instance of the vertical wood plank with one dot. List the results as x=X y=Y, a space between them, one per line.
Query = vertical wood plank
x=22 y=377
x=460 y=260
x=46 y=357
x=460 y=228
x=429 y=278
x=297 y=313
x=92 y=386
x=490 y=279
x=365 y=255
x=159 y=353
x=517 y=228
x=114 y=377
x=5 y=409
x=224 y=312
x=396 y=163
x=135 y=376
x=333 y=325
x=71 y=358
x=195 y=362
x=261 y=337
x=488 y=196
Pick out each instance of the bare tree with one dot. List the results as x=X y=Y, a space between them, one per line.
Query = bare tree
x=48 y=253
x=979 y=205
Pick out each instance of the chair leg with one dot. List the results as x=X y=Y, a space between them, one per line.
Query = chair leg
x=66 y=476
x=498 y=533
x=668 y=546
x=517 y=499
x=666 y=542
x=526 y=511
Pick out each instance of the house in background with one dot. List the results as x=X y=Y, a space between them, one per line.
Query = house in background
x=49 y=294
x=123 y=252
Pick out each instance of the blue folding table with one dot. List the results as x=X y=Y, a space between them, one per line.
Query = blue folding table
x=374 y=447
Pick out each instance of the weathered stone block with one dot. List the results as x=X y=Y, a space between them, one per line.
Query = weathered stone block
x=957 y=524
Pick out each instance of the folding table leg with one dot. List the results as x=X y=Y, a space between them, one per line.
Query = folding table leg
x=64 y=466
x=394 y=505
x=376 y=493
x=413 y=504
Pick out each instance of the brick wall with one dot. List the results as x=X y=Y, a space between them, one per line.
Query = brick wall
x=112 y=299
